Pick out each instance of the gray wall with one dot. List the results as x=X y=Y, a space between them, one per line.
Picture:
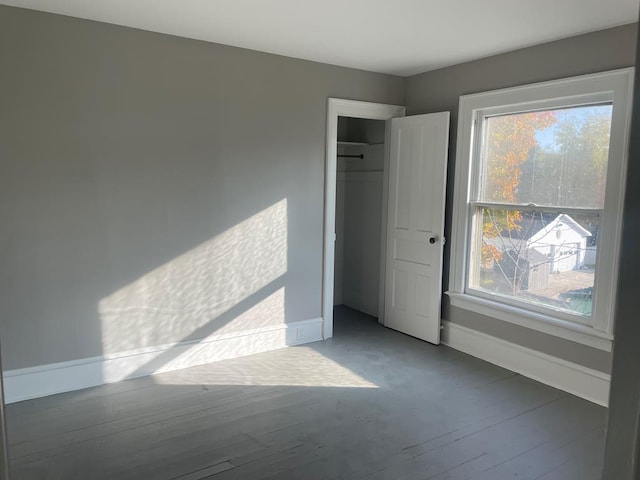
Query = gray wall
x=440 y=90
x=156 y=189
x=622 y=455
x=141 y=172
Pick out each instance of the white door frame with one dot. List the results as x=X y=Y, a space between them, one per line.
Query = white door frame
x=337 y=107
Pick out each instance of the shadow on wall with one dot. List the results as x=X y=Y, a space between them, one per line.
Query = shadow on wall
x=233 y=282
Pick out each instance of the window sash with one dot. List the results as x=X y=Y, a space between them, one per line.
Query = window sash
x=474 y=235
x=530 y=207
x=472 y=261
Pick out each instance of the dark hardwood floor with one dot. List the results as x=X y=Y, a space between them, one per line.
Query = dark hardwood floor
x=370 y=403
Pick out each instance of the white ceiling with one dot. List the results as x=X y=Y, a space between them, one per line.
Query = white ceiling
x=400 y=37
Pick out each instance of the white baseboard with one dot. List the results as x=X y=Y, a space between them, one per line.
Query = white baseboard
x=34 y=382
x=578 y=380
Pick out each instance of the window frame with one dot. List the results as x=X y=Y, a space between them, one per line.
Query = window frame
x=613 y=87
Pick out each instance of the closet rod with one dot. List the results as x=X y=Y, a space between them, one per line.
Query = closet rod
x=351 y=156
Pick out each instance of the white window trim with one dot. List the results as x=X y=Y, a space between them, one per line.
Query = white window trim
x=615 y=86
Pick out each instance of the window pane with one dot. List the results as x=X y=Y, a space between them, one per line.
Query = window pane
x=551 y=158
x=541 y=258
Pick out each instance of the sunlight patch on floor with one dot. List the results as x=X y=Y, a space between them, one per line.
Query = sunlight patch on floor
x=296 y=366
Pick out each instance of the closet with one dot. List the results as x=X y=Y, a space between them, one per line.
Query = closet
x=359 y=200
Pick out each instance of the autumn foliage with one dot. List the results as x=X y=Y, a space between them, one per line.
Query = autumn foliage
x=509 y=140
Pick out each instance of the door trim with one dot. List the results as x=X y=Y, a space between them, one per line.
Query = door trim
x=337 y=107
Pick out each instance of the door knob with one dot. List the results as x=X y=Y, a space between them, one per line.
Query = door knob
x=432 y=240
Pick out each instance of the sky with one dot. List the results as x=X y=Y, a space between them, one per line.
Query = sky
x=546 y=137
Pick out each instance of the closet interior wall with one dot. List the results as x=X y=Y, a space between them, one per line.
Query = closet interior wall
x=359 y=214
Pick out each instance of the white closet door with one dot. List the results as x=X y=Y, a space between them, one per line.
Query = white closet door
x=415 y=224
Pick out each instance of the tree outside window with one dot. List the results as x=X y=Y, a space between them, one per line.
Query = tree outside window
x=541 y=192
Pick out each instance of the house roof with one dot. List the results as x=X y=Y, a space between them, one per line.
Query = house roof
x=536 y=224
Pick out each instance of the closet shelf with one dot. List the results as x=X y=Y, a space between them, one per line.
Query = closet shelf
x=356 y=144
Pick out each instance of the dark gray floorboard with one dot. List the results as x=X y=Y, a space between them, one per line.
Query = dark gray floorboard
x=370 y=403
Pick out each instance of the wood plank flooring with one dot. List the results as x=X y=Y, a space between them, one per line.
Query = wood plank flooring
x=370 y=403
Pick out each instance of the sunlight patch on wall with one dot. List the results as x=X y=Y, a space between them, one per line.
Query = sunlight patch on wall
x=215 y=347
x=295 y=366
x=212 y=289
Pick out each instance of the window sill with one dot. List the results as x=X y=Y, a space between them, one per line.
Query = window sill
x=533 y=320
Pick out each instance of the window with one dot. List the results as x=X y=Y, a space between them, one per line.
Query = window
x=540 y=176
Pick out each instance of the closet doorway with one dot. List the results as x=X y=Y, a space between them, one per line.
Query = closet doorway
x=402 y=225
x=359 y=206
x=351 y=112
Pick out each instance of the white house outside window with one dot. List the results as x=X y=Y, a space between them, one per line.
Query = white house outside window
x=540 y=174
